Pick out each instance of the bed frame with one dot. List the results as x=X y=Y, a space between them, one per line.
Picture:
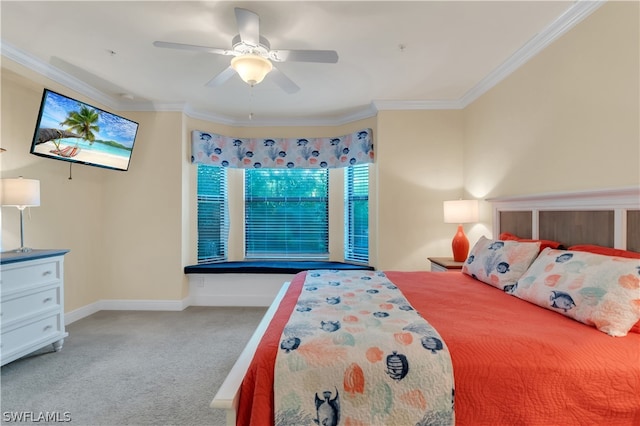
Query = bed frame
x=227 y=396
x=609 y=217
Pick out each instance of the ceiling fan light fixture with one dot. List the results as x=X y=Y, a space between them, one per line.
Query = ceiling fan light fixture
x=251 y=68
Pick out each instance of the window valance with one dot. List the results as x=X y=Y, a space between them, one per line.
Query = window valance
x=342 y=151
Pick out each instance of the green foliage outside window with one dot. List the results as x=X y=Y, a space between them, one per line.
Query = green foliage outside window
x=287 y=213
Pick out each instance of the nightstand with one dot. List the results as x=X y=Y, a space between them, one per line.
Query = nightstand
x=444 y=264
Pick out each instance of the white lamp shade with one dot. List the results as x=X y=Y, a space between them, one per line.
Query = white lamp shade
x=461 y=211
x=20 y=192
x=251 y=68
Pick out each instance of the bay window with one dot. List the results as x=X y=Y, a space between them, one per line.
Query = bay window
x=286 y=213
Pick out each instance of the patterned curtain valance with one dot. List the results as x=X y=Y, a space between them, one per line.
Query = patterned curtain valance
x=249 y=153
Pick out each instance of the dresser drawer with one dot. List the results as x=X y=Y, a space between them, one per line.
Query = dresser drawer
x=26 y=274
x=31 y=302
x=41 y=330
x=23 y=306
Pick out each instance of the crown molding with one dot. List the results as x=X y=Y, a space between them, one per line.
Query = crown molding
x=153 y=106
x=37 y=65
x=575 y=14
x=570 y=18
x=382 y=105
x=361 y=114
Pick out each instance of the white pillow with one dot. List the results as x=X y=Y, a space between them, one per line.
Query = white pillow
x=500 y=263
x=602 y=291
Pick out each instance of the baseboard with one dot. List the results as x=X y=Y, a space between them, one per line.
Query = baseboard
x=77 y=314
x=204 y=290
x=143 y=305
x=124 y=305
x=230 y=300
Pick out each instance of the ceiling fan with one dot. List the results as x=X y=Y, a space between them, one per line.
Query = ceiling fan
x=253 y=56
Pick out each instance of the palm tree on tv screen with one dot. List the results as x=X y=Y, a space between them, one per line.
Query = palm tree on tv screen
x=83 y=123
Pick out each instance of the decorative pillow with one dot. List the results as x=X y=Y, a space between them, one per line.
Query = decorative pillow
x=500 y=263
x=505 y=236
x=607 y=251
x=597 y=290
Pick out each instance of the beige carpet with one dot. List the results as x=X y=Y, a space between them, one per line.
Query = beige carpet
x=131 y=368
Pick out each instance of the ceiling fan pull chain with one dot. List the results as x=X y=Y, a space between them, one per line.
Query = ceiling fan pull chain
x=251 y=102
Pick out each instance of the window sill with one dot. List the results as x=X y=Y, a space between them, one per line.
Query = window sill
x=269 y=267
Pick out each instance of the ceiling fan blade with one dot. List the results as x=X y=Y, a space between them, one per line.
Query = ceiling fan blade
x=192 y=47
x=248 y=26
x=324 y=56
x=283 y=81
x=222 y=77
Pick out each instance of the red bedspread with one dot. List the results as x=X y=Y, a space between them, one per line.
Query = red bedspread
x=514 y=363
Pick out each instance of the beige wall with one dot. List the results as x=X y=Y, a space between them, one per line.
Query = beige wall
x=566 y=120
x=143 y=211
x=71 y=211
x=123 y=229
x=419 y=161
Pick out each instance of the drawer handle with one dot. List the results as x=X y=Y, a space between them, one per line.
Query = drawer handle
x=47 y=328
x=45 y=273
x=48 y=299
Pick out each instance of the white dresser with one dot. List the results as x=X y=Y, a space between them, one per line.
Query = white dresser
x=32 y=297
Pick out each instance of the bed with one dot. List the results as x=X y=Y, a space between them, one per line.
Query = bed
x=514 y=361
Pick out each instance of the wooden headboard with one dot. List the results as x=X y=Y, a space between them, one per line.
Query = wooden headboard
x=609 y=218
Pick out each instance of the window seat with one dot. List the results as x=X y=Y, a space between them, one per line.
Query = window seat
x=269 y=267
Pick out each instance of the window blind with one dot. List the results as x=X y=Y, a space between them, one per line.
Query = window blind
x=213 y=223
x=356 y=205
x=287 y=213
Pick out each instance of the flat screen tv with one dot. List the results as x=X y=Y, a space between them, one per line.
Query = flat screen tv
x=70 y=130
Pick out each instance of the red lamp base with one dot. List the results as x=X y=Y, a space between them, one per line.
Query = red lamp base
x=460 y=245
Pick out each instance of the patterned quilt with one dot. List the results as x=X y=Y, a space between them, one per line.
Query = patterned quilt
x=355 y=352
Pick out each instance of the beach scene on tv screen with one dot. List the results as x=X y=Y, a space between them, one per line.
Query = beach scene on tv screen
x=75 y=131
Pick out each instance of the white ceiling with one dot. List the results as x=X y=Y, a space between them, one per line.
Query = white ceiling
x=452 y=52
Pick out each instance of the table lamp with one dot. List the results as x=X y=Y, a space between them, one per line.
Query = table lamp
x=460 y=211
x=20 y=193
